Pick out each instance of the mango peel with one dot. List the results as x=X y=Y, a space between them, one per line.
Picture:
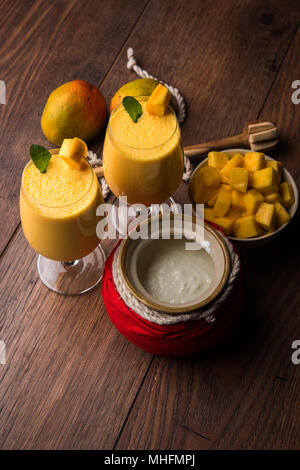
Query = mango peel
x=244 y=203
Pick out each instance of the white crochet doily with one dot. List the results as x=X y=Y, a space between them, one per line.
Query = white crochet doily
x=165 y=318
x=132 y=65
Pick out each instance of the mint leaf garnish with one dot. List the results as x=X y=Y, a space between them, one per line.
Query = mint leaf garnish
x=40 y=157
x=133 y=107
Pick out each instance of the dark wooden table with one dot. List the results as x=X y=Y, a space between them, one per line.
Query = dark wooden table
x=71 y=380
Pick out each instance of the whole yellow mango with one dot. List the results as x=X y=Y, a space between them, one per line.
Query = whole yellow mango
x=74 y=109
x=138 y=87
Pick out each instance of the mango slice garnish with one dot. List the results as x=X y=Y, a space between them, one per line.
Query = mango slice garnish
x=73 y=152
x=158 y=101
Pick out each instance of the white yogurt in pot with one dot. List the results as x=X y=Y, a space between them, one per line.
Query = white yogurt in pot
x=172 y=274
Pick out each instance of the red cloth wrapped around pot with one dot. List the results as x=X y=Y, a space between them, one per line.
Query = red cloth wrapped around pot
x=176 y=340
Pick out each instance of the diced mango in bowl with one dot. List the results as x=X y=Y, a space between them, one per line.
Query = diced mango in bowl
x=274 y=196
x=217 y=160
x=264 y=180
x=226 y=224
x=235 y=161
x=283 y=216
x=286 y=194
x=252 y=200
x=266 y=216
x=210 y=177
x=246 y=227
x=237 y=200
x=238 y=179
x=277 y=166
x=223 y=203
x=244 y=195
x=254 y=161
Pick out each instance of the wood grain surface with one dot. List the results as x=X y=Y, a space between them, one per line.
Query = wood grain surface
x=71 y=380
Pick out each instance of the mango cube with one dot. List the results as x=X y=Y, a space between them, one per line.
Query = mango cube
x=237 y=200
x=73 y=151
x=264 y=180
x=250 y=180
x=225 y=223
x=273 y=189
x=277 y=166
x=210 y=194
x=233 y=213
x=266 y=216
x=273 y=196
x=202 y=194
x=222 y=203
x=236 y=160
x=225 y=186
x=238 y=179
x=252 y=200
x=287 y=195
x=198 y=192
x=209 y=177
x=254 y=161
x=246 y=227
x=158 y=101
x=211 y=202
x=213 y=197
x=224 y=179
x=208 y=215
x=283 y=217
x=217 y=160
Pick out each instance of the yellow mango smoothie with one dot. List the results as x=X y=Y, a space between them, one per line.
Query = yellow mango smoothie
x=143 y=160
x=58 y=210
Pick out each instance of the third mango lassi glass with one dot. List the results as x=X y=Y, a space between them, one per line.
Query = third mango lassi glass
x=143 y=160
x=58 y=214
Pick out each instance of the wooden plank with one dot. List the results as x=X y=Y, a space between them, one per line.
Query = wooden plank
x=44 y=44
x=243 y=394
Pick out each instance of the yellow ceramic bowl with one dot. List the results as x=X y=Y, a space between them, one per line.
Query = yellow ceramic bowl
x=256 y=241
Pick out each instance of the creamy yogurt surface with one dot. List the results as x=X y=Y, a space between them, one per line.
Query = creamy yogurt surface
x=172 y=274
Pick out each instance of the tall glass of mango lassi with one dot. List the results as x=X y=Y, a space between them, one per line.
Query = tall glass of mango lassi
x=58 y=215
x=143 y=160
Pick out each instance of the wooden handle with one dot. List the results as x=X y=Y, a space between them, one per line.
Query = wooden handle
x=99 y=171
x=239 y=140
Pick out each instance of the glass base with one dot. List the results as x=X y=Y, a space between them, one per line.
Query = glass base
x=121 y=219
x=74 y=278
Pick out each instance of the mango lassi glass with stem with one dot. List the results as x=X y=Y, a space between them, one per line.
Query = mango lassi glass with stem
x=58 y=215
x=143 y=160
